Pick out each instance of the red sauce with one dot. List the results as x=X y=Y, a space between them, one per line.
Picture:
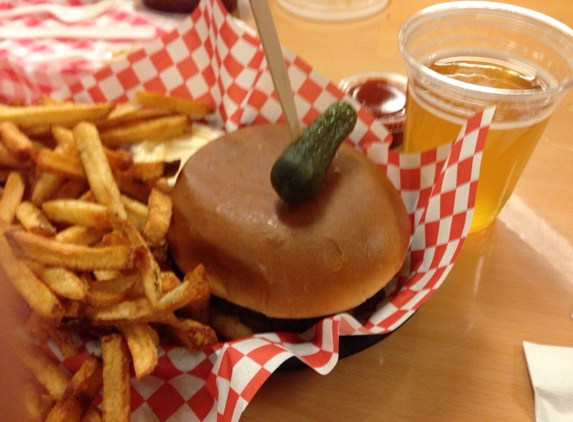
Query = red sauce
x=384 y=100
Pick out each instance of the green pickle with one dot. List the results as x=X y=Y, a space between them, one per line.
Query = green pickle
x=299 y=172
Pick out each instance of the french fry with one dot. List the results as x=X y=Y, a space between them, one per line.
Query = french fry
x=53 y=178
x=80 y=235
x=115 y=237
x=119 y=158
x=147 y=266
x=137 y=211
x=38 y=132
x=81 y=390
x=47 y=100
x=36 y=267
x=130 y=113
x=38 y=296
x=92 y=415
x=64 y=282
x=10 y=160
x=193 y=287
x=16 y=141
x=116 y=379
x=46 y=186
x=87 y=196
x=164 y=185
x=83 y=240
x=152 y=170
x=112 y=238
x=111 y=291
x=122 y=109
x=97 y=168
x=150 y=276
x=72 y=308
x=56 y=114
x=64 y=137
x=198 y=308
x=61 y=171
x=158 y=219
x=50 y=374
x=77 y=212
x=65 y=164
x=169 y=281
x=193 y=334
x=158 y=129
x=133 y=309
x=75 y=257
x=105 y=275
x=34 y=220
x=12 y=196
x=195 y=108
x=141 y=341
x=136 y=189
x=71 y=189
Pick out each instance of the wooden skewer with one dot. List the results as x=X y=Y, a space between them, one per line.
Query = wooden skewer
x=275 y=60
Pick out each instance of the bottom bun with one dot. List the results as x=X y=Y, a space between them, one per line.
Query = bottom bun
x=317 y=258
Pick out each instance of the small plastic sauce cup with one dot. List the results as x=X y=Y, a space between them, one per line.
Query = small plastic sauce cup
x=383 y=95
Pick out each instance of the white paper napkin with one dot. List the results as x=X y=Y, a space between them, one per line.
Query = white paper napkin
x=551 y=372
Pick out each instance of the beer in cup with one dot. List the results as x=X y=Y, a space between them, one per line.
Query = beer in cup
x=465 y=56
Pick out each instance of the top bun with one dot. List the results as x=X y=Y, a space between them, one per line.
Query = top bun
x=313 y=259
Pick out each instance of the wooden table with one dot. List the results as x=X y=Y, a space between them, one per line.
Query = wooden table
x=460 y=357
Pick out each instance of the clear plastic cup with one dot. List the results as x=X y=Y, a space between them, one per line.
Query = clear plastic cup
x=333 y=9
x=467 y=55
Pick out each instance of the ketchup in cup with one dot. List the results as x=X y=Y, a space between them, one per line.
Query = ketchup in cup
x=383 y=95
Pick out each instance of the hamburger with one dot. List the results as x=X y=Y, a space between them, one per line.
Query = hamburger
x=275 y=266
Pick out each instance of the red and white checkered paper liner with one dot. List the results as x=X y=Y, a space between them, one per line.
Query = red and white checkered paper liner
x=213 y=57
x=25 y=72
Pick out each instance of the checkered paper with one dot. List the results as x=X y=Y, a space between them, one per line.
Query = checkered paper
x=31 y=67
x=214 y=57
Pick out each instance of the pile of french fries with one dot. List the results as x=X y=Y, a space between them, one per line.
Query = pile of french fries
x=83 y=240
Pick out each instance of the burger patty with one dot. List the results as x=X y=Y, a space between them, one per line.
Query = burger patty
x=260 y=323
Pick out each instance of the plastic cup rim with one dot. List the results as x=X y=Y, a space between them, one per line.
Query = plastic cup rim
x=334 y=15
x=469 y=7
